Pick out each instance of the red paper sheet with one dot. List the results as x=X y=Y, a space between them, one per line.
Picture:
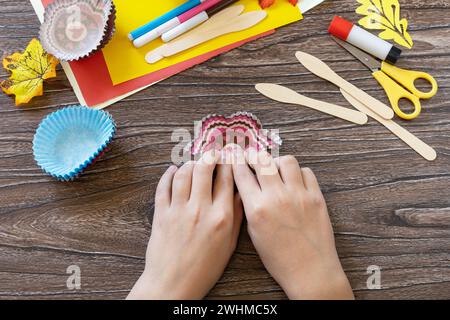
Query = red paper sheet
x=95 y=83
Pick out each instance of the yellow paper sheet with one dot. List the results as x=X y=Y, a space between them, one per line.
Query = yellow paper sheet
x=125 y=62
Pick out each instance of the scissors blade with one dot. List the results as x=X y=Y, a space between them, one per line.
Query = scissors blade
x=369 y=61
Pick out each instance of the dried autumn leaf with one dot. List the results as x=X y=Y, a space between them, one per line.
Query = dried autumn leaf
x=267 y=3
x=28 y=72
x=385 y=15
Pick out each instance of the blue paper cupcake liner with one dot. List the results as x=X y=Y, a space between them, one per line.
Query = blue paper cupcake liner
x=71 y=139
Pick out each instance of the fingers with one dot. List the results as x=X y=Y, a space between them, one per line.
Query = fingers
x=265 y=168
x=163 y=193
x=244 y=178
x=181 y=189
x=310 y=180
x=202 y=178
x=224 y=184
x=290 y=171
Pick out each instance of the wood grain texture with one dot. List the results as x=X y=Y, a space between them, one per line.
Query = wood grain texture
x=389 y=207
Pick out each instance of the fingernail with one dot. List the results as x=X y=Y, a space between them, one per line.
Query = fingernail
x=230 y=157
x=238 y=149
x=211 y=157
x=239 y=155
x=223 y=156
x=252 y=155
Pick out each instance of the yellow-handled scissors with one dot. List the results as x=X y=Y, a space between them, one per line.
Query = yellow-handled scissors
x=398 y=83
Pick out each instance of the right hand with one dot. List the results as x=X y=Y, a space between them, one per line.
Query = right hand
x=289 y=225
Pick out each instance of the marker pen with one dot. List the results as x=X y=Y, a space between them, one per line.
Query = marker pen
x=169 y=25
x=364 y=40
x=196 y=20
x=164 y=18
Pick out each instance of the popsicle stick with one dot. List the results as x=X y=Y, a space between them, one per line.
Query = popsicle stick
x=220 y=17
x=215 y=30
x=239 y=23
x=322 y=70
x=286 y=95
x=411 y=140
x=217 y=20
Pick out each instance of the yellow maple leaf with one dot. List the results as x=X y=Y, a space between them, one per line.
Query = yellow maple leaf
x=385 y=15
x=28 y=72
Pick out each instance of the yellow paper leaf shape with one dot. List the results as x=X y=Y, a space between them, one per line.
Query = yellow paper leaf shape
x=385 y=15
x=28 y=72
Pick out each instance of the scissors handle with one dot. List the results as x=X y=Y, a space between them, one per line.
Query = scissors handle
x=395 y=93
x=407 y=79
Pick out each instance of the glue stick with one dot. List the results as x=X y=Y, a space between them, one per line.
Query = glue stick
x=364 y=40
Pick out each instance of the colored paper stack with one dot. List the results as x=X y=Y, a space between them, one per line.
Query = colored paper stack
x=119 y=69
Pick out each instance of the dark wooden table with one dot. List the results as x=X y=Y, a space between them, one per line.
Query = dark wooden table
x=389 y=207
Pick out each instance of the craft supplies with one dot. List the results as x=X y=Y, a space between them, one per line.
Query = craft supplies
x=415 y=143
x=385 y=15
x=74 y=29
x=125 y=62
x=169 y=16
x=322 y=70
x=214 y=132
x=195 y=20
x=119 y=71
x=28 y=72
x=398 y=83
x=228 y=21
x=69 y=140
x=169 y=25
x=91 y=81
x=90 y=77
x=347 y=31
x=286 y=95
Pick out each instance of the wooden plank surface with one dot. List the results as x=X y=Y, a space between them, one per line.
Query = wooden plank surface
x=389 y=207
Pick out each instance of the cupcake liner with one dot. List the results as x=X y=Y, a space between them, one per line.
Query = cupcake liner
x=110 y=29
x=243 y=128
x=76 y=29
x=71 y=139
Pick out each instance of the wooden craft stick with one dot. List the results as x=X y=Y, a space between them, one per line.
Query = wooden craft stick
x=411 y=140
x=322 y=70
x=218 y=25
x=286 y=95
x=218 y=18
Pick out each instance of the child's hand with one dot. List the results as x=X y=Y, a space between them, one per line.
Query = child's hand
x=289 y=225
x=195 y=230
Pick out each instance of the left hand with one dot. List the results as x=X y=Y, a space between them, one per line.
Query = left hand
x=194 y=233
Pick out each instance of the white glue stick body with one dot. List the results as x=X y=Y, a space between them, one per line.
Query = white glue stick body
x=364 y=40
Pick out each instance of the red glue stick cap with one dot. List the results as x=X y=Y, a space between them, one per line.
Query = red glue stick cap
x=340 y=28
